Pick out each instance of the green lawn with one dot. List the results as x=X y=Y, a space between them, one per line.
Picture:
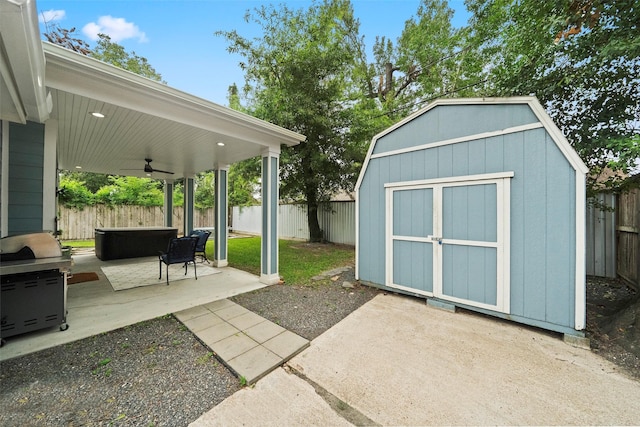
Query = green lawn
x=299 y=261
x=78 y=243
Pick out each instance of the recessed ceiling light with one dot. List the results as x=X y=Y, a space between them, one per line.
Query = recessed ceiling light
x=97 y=114
x=78 y=167
x=221 y=144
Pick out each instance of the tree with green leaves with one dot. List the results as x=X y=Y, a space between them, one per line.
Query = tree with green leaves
x=301 y=75
x=581 y=59
x=429 y=60
x=105 y=51
x=115 y=54
x=131 y=190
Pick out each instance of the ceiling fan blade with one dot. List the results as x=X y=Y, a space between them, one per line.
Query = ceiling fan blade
x=158 y=170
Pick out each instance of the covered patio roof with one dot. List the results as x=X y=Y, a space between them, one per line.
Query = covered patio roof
x=144 y=119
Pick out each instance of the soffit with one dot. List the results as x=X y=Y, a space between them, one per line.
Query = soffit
x=145 y=119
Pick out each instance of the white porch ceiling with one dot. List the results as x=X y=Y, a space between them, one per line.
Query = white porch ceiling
x=144 y=119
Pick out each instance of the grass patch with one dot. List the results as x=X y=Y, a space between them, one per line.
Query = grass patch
x=299 y=261
x=79 y=243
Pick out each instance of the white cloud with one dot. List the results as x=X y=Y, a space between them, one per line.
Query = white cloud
x=116 y=28
x=49 y=16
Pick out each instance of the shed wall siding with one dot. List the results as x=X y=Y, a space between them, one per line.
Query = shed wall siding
x=26 y=159
x=444 y=122
x=542 y=206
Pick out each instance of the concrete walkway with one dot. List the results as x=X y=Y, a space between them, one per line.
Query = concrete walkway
x=397 y=361
x=248 y=344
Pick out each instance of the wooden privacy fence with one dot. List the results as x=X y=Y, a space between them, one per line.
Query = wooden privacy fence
x=613 y=237
x=628 y=236
x=601 y=238
x=80 y=224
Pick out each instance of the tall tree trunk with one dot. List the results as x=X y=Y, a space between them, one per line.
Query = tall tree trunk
x=315 y=233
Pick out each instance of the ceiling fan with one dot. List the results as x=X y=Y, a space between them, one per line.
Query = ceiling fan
x=149 y=169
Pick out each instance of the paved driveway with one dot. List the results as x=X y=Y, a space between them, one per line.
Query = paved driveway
x=397 y=361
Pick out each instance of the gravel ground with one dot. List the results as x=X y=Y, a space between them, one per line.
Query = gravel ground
x=156 y=373
x=308 y=310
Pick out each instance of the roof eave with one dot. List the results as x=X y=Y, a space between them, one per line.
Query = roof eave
x=70 y=71
x=25 y=68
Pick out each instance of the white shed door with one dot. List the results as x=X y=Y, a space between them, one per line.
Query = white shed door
x=450 y=240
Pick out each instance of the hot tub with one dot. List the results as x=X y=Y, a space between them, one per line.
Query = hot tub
x=132 y=242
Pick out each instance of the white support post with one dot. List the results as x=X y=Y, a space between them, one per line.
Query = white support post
x=189 y=202
x=221 y=174
x=50 y=180
x=270 y=197
x=168 y=202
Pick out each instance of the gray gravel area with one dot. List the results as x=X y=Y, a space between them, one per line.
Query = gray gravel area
x=156 y=373
x=309 y=310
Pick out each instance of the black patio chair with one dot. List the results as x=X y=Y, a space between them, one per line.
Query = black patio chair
x=181 y=250
x=203 y=236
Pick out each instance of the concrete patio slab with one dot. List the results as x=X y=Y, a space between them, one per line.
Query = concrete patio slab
x=279 y=399
x=194 y=312
x=401 y=362
x=246 y=320
x=204 y=321
x=233 y=346
x=286 y=344
x=219 y=305
x=214 y=333
x=264 y=331
x=255 y=363
x=94 y=307
x=398 y=361
x=247 y=343
x=231 y=312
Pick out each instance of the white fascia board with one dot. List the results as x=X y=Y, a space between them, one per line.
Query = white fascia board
x=78 y=74
x=581 y=269
x=557 y=136
x=20 y=36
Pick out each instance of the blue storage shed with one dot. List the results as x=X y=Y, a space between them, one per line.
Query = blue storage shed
x=477 y=203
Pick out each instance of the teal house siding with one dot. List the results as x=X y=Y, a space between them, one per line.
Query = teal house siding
x=26 y=160
x=543 y=205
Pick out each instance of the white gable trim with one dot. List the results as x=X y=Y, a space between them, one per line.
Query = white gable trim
x=555 y=133
x=467 y=138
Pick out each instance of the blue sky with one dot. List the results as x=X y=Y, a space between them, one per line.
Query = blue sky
x=176 y=36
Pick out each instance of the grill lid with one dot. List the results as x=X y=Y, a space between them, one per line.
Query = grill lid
x=29 y=246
